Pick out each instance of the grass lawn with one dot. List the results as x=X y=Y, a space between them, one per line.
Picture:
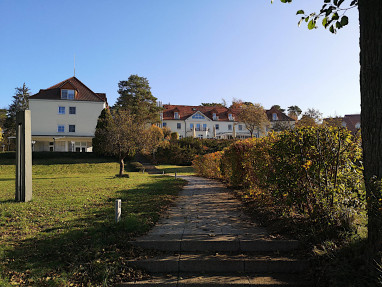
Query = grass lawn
x=180 y=170
x=66 y=236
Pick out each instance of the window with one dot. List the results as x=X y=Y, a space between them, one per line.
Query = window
x=214 y=116
x=192 y=126
x=164 y=124
x=230 y=117
x=72 y=128
x=357 y=125
x=204 y=127
x=240 y=127
x=176 y=115
x=200 y=136
x=180 y=136
x=217 y=126
x=61 y=110
x=198 y=127
x=198 y=117
x=274 y=117
x=72 y=110
x=230 y=127
x=178 y=126
x=60 y=128
x=67 y=94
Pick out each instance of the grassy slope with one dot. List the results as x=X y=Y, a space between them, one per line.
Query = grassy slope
x=66 y=235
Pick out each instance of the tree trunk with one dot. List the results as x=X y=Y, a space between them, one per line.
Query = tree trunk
x=121 y=166
x=370 y=15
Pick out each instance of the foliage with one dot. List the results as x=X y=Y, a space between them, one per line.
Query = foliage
x=154 y=138
x=213 y=104
x=311 y=118
x=67 y=236
x=123 y=137
x=294 y=112
x=333 y=122
x=136 y=97
x=183 y=151
x=254 y=117
x=208 y=165
x=174 y=136
x=333 y=13
x=104 y=122
x=315 y=172
x=20 y=103
x=277 y=107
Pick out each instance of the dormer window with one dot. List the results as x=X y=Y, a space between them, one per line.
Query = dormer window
x=176 y=115
x=67 y=94
x=230 y=117
x=358 y=125
x=214 y=117
x=274 y=117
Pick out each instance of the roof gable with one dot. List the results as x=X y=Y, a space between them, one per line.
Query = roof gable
x=83 y=93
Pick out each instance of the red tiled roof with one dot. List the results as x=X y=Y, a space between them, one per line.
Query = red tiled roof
x=83 y=92
x=351 y=122
x=221 y=112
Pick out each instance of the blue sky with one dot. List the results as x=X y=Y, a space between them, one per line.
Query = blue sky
x=191 y=51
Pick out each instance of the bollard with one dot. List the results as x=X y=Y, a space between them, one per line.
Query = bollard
x=163 y=172
x=118 y=204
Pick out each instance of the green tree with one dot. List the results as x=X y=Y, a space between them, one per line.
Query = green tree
x=20 y=103
x=254 y=117
x=294 y=112
x=370 y=14
x=104 y=123
x=136 y=97
x=122 y=138
x=212 y=104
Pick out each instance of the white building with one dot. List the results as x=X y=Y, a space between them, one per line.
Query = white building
x=64 y=117
x=214 y=121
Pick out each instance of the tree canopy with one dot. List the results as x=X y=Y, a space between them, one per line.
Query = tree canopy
x=135 y=96
x=254 y=117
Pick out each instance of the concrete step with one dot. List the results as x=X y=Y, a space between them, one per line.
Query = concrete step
x=219 y=281
x=201 y=263
x=219 y=243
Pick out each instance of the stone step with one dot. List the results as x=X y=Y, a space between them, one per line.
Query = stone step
x=219 y=263
x=220 y=280
x=220 y=243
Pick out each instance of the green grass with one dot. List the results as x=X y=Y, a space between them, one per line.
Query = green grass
x=66 y=234
x=180 y=170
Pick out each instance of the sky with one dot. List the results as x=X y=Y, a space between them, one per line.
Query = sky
x=191 y=51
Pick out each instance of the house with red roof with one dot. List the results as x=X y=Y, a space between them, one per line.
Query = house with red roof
x=64 y=117
x=215 y=121
x=352 y=122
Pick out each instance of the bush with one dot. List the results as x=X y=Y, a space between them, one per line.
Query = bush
x=135 y=166
x=316 y=172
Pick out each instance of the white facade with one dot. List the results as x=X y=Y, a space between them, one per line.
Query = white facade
x=200 y=126
x=64 y=125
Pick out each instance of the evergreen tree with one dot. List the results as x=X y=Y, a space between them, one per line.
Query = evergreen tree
x=104 y=123
x=20 y=103
x=135 y=96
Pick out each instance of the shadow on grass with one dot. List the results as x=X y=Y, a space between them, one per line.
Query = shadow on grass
x=91 y=249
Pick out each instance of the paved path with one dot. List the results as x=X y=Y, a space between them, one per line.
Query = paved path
x=205 y=207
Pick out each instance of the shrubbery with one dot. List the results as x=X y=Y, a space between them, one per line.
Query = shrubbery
x=316 y=172
x=183 y=151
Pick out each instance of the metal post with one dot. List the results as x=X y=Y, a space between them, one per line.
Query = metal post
x=118 y=204
x=23 y=157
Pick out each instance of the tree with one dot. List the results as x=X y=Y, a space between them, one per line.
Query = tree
x=254 y=117
x=277 y=107
x=294 y=112
x=311 y=118
x=20 y=103
x=123 y=137
x=104 y=123
x=333 y=122
x=370 y=13
x=136 y=97
x=212 y=104
x=155 y=137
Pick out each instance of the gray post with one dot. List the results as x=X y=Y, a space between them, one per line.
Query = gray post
x=23 y=156
x=163 y=172
x=118 y=204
